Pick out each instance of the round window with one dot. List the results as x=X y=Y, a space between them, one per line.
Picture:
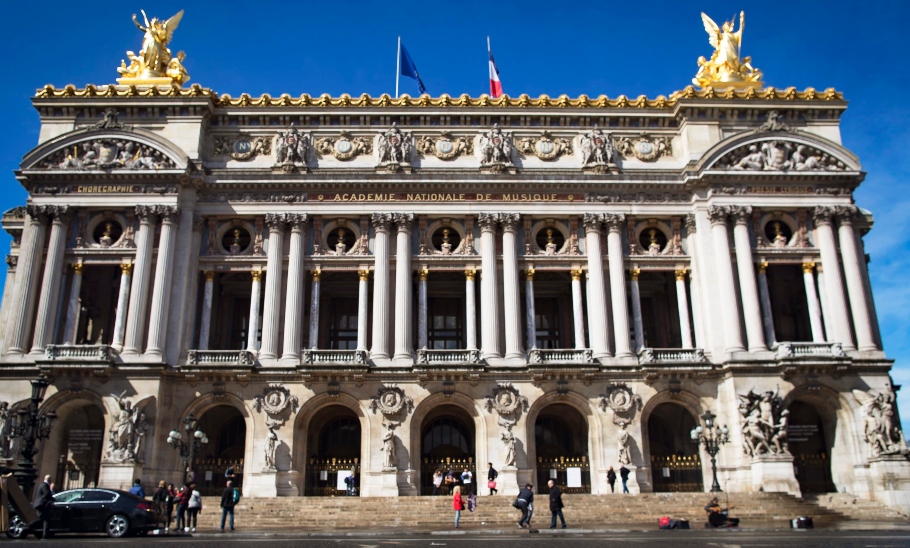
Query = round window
x=107 y=232
x=652 y=240
x=236 y=240
x=446 y=240
x=341 y=240
x=778 y=233
x=550 y=240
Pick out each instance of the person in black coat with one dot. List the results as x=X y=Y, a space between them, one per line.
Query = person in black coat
x=525 y=497
x=44 y=500
x=556 y=505
x=624 y=476
x=611 y=479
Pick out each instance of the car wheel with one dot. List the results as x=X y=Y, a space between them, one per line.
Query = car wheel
x=17 y=528
x=117 y=526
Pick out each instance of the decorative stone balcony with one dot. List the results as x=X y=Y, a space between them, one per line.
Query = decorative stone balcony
x=427 y=356
x=798 y=350
x=671 y=355
x=68 y=354
x=313 y=356
x=219 y=357
x=558 y=356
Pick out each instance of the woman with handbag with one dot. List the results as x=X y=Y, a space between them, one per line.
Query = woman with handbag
x=492 y=474
x=458 y=505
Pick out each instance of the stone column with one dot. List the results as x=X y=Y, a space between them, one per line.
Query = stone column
x=164 y=272
x=510 y=283
x=834 y=285
x=315 y=294
x=597 y=300
x=615 y=225
x=404 y=338
x=470 y=316
x=530 y=322
x=27 y=279
x=747 y=285
x=733 y=337
x=362 y=306
x=856 y=288
x=815 y=315
x=682 y=302
x=381 y=222
x=123 y=300
x=764 y=296
x=422 y=307
x=274 y=266
x=142 y=269
x=50 y=283
x=293 y=307
x=578 y=313
x=489 y=289
x=255 y=299
x=73 y=306
x=637 y=327
x=823 y=301
x=205 y=321
x=695 y=263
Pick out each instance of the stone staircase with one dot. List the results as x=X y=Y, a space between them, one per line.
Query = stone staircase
x=857 y=508
x=421 y=513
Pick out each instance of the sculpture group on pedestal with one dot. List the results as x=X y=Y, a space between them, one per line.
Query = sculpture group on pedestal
x=764 y=425
x=128 y=433
x=880 y=427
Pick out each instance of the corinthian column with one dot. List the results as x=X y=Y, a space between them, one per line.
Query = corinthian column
x=381 y=222
x=73 y=306
x=404 y=339
x=293 y=307
x=362 y=295
x=856 y=288
x=637 y=327
x=682 y=302
x=815 y=315
x=164 y=272
x=27 y=279
x=764 y=296
x=123 y=300
x=205 y=322
x=422 y=338
x=747 y=285
x=142 y=269
x=597 y=300
x=269 y=348
x=315 y=294
x=578 y=313
x=489 y=290
x=511 y=289
x=618 y=285
x=530 y=323
x=834 y=285
x=255 y=298
x=50 y=285
x=470 y=316
x=733 y=337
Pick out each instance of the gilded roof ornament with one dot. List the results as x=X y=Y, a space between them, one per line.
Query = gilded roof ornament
x=154 y=66
x=726 y=68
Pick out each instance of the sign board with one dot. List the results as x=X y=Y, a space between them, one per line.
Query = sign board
x=339 y=482
x=573 y=477
x=801 y=432
x=208 y=475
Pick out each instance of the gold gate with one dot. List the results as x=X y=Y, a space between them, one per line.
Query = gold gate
x=677 y=473
x=558 y=469
x=322 y=476
x=210 y=480
x=446 y=464
x=813 y=473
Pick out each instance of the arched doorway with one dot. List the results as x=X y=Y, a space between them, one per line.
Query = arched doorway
x=447 y=444
x=225 y=427
x=675 y=460
x=73 y=453
x=810 y=444
x=333 y=446
x=561 y=443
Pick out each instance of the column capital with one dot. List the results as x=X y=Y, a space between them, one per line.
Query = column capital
x=403 y=221
x=209 y=275
x=364 y=275
x=576 y=274
x=38 y=214
x=146 y=213
x=297 y=221
x=808 y=267
x=168 y=213
x=691 y=227
x=510 y=222
x=256 y=275
x=529 y=274
x=60 y=213
x=470 y=274
x=317 y=274
x=634 y=273
x=381 y=222
x=846 y=214
x=592 y=222
x=488 y=221
x=614 y=222
x=12 y=261
x=126 y=268
x=681 y=275
x=422 y=274
x=763 y=267
x=276 y=221
x=77 y=268
x=741 y=214
x=823 y=215
x=717 y=215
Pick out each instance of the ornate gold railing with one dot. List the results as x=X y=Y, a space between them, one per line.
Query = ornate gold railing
x=557 y=469
x=456 y=465
x=210 y=480
x=677 y=474
x=322 y=476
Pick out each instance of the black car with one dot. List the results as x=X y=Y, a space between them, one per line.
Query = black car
x=110 y=511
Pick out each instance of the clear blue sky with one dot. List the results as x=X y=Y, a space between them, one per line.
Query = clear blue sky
x=547 y=47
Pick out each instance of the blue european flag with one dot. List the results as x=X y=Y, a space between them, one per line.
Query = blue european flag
x=409 y=69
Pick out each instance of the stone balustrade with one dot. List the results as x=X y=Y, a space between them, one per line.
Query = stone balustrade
x=312 y=356
x=89 y=353
x=560 y=356
x=426 y=356
x=797 y=350
x=220 y=357
x=671 y=355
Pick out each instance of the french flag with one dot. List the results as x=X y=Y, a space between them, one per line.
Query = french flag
x=495 y=84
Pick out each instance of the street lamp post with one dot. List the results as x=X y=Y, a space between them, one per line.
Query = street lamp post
x=188 y=447
x=712 y=437
x=30 y=426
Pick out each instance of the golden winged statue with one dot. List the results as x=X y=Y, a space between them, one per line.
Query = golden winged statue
x=726 y=68
x=154 y=65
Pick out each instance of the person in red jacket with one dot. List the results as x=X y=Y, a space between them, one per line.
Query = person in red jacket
x=458 y=505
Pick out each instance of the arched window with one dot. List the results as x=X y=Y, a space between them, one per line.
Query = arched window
x=340 y=438
x=447 y=437
x=552 y=437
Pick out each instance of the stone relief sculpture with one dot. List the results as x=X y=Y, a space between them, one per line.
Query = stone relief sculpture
x=508 y=439
x=128 y=432
x=391 y=400
x=596 y=150
x=445 y=147
x=880 y=428
x=344 y=147
x=495 y=148
x=620 y=399
x=778 y=155
x=546 y=147
x=763 y=421
x=509 y=404
x=291 y=148
x=622 y=442
x=278 y=404
x=394 y=146
x=270 y=447
x=108 y=154
x=644 y=147
x=243 y=147
x=390 y=460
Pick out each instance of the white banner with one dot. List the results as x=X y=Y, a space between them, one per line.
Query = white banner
x=573 y=477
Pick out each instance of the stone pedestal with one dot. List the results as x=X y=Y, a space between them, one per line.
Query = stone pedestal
x=286 y=484
x=507 y=482
x=890 y=479
x=774 y=474
x=261 y=484
x=388 y=484
x=117 y=475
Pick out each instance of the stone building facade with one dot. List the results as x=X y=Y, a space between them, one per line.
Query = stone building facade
x=393 y=286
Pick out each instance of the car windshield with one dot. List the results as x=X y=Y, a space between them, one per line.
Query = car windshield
x=67 y=496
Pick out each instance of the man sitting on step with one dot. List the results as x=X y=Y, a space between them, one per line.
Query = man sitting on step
x=717 y=516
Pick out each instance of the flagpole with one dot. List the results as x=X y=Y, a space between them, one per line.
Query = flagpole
x=397 y=67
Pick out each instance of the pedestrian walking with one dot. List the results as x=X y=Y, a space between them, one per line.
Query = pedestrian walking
x=349 y=484
x=183 y=500
x=229 y=498
x=525 y=499
x=137 y=489
x=492 y=474
x=160 y=497
x=170 y=502
x=556 y=505
x=467 y=480
x=611 y=479
x=624 y=476
x=193 y=508
x=44 y=501
x=458 y=505
x=437 y=481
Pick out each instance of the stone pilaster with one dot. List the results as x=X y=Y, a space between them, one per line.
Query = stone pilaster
x=123 y=299
x=164 y=273
x=205 y=321
x=637 y=327
x=362 y=308
x=470 y=316
x=511 y=287
x=252 y=337
x=597 y=300
x=747 y=285
x=293 y=308
x=73 y=305
x=764 y=296
x=834 y=285
x=404 y=338
x=381 y=271
x=315 y=298
x=578 y=312
x=682 y=302
x=269 y=347
x=142 y=269
x=815 y=315
x=489 y=289
x=733 y=338
x=856 y=288
x=618 y=285
x=50 y=284
x=530 y=323
x=422 y=307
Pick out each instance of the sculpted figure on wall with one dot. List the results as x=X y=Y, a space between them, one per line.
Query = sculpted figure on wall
x=390 y=460
x=764 y=425
x=508 y=439
x=394 y=146
x=880 y=428
x=291 y=147
x=622 y=441
x=278 y=404
x=128 y=433
x=270 y=447
x=496 y=147
x=778 y=155
x=597 y=150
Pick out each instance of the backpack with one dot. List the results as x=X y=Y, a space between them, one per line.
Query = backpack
x=236 y=495
x=472 y=502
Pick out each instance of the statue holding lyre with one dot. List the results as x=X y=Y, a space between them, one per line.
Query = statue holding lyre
x=154 y=65
x=726 y=68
